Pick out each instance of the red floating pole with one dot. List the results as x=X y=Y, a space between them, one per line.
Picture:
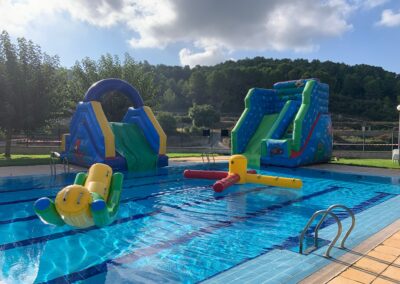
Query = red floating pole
x=252 y=172
x=224 y=183
x=205 y=174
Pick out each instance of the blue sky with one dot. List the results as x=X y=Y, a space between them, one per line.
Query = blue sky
x=190 y=32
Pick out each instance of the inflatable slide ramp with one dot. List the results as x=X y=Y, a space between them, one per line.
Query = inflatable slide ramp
x=288 y=125
x=137 y=143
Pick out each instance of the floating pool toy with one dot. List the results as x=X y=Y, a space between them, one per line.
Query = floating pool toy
x=238 y=174
x=93 y=199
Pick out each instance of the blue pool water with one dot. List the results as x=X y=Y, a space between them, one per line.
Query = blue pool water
x=169 y=229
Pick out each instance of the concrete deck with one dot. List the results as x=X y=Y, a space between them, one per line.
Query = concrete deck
x=356 y=169
x=34 y=170
x=45 y=169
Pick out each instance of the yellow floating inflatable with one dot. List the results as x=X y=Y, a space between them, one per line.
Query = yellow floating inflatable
x=238 y=173
x=93 y=199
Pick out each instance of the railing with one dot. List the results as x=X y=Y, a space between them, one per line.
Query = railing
x=339 y=231
x=54 y=158
x=367 y=140
x=208 y=158
x=353 y=222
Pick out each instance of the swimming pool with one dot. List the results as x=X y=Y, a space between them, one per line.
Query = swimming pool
x=170 y=229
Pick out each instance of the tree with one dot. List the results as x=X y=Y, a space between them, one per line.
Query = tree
x=169 y=101
x=29 y=78
x=218 y=87
x=167 y=121
x=203 y=115
x=198 y=87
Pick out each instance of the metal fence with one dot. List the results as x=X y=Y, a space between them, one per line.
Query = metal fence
x=343 y=140
x=368 y=140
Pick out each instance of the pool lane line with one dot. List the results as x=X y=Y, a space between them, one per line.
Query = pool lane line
x=293 y=241
x=53 y=196
x=50 y=187
x=126 y=200
x=45 y=238
x=19 y=219
x=158 y=247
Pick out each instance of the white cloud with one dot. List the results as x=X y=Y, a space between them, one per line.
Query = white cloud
x=389 y=19
x=226 y=25
x=210 y=56
x=102 y=13
x=370 y=4
x=216 y=28
x=16 y=16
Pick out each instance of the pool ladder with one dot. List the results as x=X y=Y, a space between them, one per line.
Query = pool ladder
x=325 y=214
x=54 y=157
x=208 y=158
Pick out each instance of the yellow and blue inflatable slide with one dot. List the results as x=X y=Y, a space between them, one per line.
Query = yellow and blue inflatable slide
x=137 y=143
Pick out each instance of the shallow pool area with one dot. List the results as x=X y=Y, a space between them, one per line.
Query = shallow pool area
x=173 y=230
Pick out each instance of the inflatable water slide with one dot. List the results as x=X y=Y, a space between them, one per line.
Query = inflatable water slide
x=137 y=143
x=288 y=125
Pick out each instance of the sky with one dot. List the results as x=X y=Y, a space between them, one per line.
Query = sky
x=207 y=32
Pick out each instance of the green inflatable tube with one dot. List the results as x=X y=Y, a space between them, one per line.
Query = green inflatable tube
x=46 y=210
x=103 y=212
x=80 y=178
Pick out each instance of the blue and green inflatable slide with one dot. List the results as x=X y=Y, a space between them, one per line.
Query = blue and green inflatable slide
x=137 y=143
x=286 y=126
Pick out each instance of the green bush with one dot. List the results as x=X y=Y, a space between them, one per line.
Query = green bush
x=167 y=121
x=184 y=119
x=203 y=115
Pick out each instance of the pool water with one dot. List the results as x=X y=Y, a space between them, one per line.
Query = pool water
x=170 y=229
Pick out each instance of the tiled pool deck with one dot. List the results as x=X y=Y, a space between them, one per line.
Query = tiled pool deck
x=380 y=265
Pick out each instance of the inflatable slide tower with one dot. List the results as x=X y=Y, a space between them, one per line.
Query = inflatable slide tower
x=288 y=125
x=137 y=143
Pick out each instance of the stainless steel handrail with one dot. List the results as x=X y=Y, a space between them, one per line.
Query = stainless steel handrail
x=208 y=157
x=333 y=242
x=54 y=156
x=353 y=223
x=53 y=167
x=66 y=165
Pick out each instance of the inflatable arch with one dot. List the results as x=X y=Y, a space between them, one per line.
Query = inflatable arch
x=137 y=143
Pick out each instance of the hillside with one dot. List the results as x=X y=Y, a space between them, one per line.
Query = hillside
x=364 y=91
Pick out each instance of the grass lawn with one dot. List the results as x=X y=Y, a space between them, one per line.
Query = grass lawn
x=183 y=155
x=24 y=160
x=377 y=163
